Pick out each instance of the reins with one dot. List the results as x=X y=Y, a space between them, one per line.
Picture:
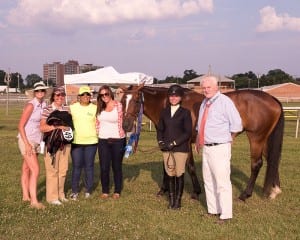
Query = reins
x=171 y=155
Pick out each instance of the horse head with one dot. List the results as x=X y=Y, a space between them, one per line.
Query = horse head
x=131 y=100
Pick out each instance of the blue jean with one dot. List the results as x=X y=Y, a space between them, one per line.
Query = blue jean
x=111 y=152
x=83 y=157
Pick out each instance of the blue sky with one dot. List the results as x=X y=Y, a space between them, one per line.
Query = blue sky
x=157 y=37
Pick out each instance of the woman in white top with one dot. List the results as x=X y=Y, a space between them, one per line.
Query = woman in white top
x=30 y=137
x=112 y=140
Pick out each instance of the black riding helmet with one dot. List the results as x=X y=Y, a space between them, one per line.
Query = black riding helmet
x=176 y=90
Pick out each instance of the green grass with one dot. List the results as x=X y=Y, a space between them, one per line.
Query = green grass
x=139 y=214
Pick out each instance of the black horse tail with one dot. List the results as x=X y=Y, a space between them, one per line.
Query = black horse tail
x=274 y=149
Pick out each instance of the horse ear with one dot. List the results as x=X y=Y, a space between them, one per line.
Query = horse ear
x=122 y=88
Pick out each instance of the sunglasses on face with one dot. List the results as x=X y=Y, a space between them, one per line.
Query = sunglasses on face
x=40 y=90
x=85 y=94
x=104 y=95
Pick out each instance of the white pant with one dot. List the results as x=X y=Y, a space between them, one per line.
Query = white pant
x=216 y=176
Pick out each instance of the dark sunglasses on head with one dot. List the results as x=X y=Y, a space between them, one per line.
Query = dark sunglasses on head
x=60 y=94
x=40 y=90
x=104 y=95
x=85 y=94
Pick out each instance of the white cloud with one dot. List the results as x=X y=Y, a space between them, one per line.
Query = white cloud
x=67 y=13
x=271 y=21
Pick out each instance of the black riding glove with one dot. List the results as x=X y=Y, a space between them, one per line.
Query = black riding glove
x=162 y=145
x=171 y=145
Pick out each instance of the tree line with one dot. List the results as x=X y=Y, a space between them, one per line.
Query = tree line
x=242 y=80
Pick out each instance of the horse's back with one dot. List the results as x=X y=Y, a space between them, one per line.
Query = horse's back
x=258 y=109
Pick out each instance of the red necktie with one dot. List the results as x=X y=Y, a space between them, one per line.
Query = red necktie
x=202 y=125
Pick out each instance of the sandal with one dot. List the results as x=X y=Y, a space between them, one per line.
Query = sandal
x=104 y=196
x=116 y=196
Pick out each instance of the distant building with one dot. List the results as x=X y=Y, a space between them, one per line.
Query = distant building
x=72 y=67
x=286 y=92
x=225 y=84
x=54 y=72
x=88 y=67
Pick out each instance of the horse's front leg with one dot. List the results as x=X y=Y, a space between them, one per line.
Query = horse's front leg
x=191 y=168
x=164 y=187
x=256 y=164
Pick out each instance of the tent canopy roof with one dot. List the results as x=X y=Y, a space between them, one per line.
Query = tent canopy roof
x=108 y=75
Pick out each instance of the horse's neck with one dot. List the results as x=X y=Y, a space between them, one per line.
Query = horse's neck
x=154 y=102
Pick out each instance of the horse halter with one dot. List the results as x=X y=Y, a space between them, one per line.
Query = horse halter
x=138 y=102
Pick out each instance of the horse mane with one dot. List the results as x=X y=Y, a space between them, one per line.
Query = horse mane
x=154 y=90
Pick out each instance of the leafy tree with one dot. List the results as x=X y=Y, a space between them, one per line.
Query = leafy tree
x=245 y=80
x=17 y=81
x=251 y=80
x=276 y=76
x=189 y=75
x=31 y=79
x=2 y=75
x=170 y=79
x=155 y=80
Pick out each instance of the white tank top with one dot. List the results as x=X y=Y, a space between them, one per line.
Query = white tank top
x=108 y=124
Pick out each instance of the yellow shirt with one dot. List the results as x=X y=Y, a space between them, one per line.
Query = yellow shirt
x=84 y=120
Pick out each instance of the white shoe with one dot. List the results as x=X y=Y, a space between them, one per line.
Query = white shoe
x=74 y=196
x=56 y=202
x=87 y=195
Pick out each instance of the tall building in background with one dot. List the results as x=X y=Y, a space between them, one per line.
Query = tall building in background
x=72 y=67
x=54 y=73
x=88 y=67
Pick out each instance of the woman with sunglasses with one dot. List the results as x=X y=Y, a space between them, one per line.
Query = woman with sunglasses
x=84 y=145
x=112 y=140
x=56 y=171
x=29 y=139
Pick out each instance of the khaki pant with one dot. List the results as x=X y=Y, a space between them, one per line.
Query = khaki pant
x=175 y=163
x=56 y=174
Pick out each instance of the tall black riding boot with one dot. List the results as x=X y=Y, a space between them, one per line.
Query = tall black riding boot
x=171 y=191
x=179 y=191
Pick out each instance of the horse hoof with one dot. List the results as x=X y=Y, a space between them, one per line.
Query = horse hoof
x=274 y=192
x=242 y=197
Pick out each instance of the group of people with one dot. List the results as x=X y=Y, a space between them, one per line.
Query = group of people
x=218 y=124
x=78 y=131
x=99 y=127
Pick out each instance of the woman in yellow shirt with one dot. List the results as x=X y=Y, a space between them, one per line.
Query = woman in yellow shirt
x=84 y=145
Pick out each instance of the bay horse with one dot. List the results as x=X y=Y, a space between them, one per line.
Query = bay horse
x=262 y=118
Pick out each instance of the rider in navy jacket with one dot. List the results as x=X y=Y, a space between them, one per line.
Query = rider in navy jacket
x=176 y=129
x=174 y=132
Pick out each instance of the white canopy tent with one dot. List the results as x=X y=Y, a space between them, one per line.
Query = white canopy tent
x=107 y=75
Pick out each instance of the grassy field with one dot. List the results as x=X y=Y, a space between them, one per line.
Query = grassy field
x=139 y=214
